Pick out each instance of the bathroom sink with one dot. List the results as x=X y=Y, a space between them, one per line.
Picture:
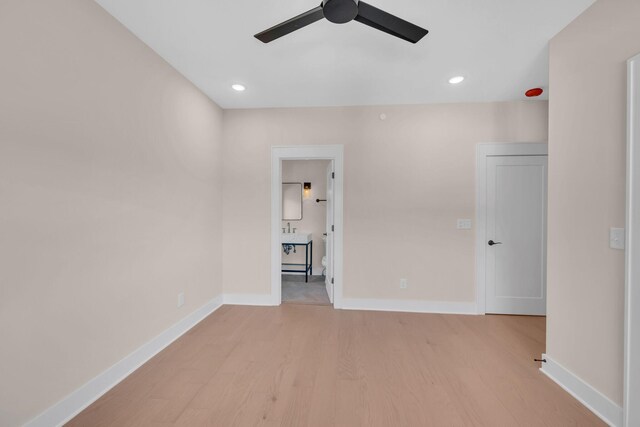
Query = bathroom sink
x=295 y=237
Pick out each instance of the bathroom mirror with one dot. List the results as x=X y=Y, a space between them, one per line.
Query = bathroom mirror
x=291 y=201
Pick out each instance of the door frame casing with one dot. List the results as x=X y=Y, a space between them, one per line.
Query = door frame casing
x=330 y=215
x=482 y=152
x=306 y=152
x=631 y=413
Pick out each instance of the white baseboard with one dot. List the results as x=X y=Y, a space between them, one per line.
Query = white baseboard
x=411 y=306
x=367 y=304
x=248 y=299
x=70 y=406
x=595 y=401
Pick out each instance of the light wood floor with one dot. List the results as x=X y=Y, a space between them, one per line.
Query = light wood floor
x=300 y=365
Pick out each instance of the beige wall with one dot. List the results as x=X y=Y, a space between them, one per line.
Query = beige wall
x=407 y=179
x=314 y=215
x=110 y=192
x=587 y=191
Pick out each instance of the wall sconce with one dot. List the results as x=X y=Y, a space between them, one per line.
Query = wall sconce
x=307 y=190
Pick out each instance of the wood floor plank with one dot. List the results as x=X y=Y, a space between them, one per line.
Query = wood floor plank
x=299 y=365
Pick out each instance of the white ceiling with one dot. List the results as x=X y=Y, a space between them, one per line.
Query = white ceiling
x=500 y=46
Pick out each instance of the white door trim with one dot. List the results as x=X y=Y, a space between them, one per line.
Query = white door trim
x=306 y=152
x=482 y=152
x=632 y=256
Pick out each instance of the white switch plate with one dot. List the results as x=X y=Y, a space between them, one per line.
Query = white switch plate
x=403 y=284
x=180 y=299
x=616 y=238
x=464 y=224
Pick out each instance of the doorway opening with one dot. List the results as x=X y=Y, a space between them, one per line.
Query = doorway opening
x=306 y=225
x=306 y=211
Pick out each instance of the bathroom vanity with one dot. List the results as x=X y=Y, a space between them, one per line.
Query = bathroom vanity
x=294 y=240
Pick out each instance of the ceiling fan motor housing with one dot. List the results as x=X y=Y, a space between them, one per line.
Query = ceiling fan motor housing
x=340 y=11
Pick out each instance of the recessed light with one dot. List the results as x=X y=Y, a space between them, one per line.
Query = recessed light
x=238 y=87
x=455 y=80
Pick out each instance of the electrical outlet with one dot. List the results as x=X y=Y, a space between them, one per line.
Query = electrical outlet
x=464 y=224
x=403 y=284
x=616 y=238
x=180 y=299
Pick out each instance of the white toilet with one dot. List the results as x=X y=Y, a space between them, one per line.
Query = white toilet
x=324 y=258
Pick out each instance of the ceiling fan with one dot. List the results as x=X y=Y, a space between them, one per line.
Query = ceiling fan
x=343 y=11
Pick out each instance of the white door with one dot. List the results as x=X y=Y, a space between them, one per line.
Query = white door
x=516 y=235
x=329 y=242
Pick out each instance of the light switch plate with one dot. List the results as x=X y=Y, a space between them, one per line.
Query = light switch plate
x=464 y=224
x=616 y=238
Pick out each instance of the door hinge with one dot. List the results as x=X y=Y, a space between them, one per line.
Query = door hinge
x=333 y=228
x=333 y=175
x=332 y=280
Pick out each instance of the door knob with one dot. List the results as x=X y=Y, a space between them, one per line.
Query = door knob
x=491 y=243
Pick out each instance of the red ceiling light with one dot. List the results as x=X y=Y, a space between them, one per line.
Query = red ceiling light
x=532 y=93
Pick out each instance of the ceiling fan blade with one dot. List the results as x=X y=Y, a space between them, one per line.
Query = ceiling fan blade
x=291 y=25
x=383 y=21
